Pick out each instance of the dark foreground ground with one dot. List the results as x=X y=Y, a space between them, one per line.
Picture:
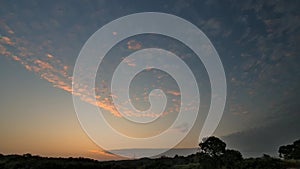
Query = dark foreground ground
x=193 y=161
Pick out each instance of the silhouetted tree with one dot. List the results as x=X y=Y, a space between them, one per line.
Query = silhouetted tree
x=284 y=151
x=296 y=154
x=27 y=155
x=212 y=146
x=231 y=159
x=291 y=151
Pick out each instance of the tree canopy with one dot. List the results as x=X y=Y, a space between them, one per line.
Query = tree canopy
x=291 y=151
x=212 y=146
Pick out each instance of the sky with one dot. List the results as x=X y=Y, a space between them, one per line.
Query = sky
x=257 y=42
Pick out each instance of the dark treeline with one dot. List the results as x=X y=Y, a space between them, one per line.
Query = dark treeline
x=212 y=155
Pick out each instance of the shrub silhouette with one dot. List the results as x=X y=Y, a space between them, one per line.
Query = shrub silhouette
x=213 y=155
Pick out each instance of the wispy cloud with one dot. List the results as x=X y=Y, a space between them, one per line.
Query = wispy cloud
x=50 y=68
x=103 y=153
x=183 y=128
x=6 y=27
x=173 y=92
x=129 y=61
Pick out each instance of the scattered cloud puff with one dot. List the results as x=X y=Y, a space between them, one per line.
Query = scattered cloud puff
x=183 y=128
x=6 y=40
x=134 y=45
x=129 y=61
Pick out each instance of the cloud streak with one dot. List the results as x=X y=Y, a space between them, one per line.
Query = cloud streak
x=49 y=68
x=53 y=70
x=103 y=153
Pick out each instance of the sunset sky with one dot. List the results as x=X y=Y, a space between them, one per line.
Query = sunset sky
x=257 y=41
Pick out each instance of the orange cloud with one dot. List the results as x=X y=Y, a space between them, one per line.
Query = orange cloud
x=65 y=67
x=129 y=62
x=16 y=58
x=103 y=152
x=42 y=64
x=6 y=27
x=134 y=45
x=173 y=92
x=6 y=40
x=3 y=51
x=58 y=76
x=53 y=70
x=49 y=55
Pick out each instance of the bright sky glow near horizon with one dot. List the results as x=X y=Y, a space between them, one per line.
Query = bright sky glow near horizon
x=257 y=41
